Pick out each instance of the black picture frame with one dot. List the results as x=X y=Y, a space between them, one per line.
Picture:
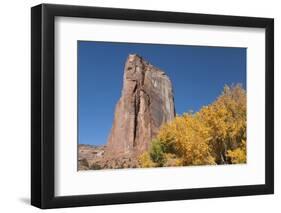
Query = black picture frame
x=43 y=111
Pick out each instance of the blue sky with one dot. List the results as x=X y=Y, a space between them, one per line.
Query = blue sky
x=198 y=75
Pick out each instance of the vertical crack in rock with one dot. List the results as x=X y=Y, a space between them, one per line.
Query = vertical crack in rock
x=145 y=104
x=137 y=107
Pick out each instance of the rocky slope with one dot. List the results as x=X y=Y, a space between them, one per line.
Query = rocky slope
x=88 y=154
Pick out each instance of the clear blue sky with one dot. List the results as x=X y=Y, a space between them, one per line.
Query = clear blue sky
x=198 y=75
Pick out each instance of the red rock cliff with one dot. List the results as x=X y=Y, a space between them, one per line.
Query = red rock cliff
x=146 y=103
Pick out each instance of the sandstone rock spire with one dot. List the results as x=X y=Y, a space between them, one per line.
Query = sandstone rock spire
x=145 y=104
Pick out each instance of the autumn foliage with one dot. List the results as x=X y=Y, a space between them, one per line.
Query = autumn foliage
x=214 y=135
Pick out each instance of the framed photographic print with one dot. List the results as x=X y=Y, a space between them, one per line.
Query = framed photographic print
x=139 y=106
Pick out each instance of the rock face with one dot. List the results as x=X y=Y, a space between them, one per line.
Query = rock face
x=146 y=103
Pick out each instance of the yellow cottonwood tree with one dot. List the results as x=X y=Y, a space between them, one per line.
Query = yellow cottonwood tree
x=214 y=135
x=183 y=137
x=225 y=121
